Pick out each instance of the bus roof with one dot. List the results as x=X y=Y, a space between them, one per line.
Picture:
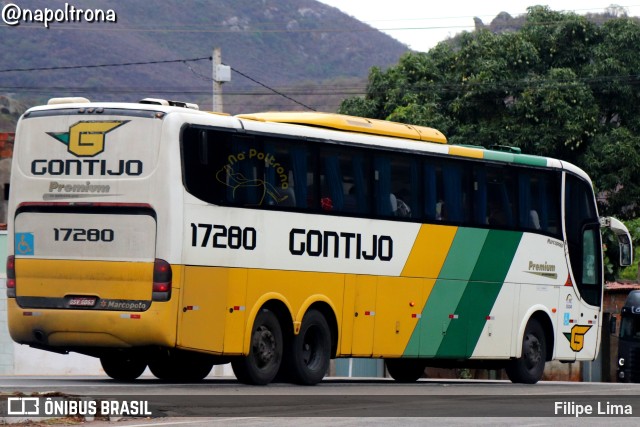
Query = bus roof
x=351 y=124
x=340 y=122
x=410 y=133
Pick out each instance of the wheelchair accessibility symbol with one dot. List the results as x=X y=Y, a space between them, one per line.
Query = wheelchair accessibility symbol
x=24 y=244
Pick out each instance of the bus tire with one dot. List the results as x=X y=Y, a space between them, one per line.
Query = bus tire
x=405 y=370
x=162 y=369
x=262 y=363
x=181 y=366
x=310 y=351
x=123 y=367
x=528 y=368
x=196 y=366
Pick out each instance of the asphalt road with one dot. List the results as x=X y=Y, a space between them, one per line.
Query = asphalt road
x=340 y=402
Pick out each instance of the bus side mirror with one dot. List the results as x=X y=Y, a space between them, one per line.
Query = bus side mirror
x=624 y=239
x=626 y=256
x=612 y=325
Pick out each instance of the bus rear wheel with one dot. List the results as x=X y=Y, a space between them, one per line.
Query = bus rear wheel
x=262 y=363
x=310 y=351
x=405 y=370
x=181 y=366
x=528 y=368
x=123 y=367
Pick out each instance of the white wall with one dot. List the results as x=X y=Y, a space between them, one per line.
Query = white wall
x=6 y=344
x=16 y=359
x=30 y=361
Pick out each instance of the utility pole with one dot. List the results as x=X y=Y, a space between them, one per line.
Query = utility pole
x=221 y=74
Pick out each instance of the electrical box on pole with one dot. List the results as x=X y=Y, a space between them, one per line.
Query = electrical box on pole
x=222 y=73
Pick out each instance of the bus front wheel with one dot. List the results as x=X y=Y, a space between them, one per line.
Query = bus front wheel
x=262 y=363
x=528 y=368
x=405 y=370
x=123 y=367
x=310 y=350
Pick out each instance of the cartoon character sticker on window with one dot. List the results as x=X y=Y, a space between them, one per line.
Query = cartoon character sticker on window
x=267 y=193
x=236 y=180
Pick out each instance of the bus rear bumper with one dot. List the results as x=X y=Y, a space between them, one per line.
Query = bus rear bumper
x=60 y=329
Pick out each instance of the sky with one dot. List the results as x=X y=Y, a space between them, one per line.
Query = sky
x=421 y=24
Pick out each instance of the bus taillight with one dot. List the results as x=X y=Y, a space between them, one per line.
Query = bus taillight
x=11 y=276
x=162 y=276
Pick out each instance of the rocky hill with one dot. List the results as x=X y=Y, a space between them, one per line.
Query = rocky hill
x=299 y=47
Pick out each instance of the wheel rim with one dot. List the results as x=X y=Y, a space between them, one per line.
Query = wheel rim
x=532 y=352
x=264 y=346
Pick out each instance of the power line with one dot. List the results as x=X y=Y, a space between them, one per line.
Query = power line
x=206 y=78
x=125 y=64
x=121 y=64
x=269 y=88
x=185 y=60
x=350 y=88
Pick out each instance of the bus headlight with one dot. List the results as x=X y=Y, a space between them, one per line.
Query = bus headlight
x=621 y=361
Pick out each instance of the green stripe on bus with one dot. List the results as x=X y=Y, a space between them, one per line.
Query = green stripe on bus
x=522 y=159
x=463 y=255
x=498 y=156
x=447 y=291
x=480 y=294
x=526 y=159
x=497 y=255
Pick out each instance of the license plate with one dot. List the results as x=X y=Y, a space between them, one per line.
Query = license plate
x=82 y=301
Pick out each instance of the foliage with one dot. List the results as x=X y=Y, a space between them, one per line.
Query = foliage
x=561 y=86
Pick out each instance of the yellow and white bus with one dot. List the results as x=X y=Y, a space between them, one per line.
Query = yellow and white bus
x=154 y=234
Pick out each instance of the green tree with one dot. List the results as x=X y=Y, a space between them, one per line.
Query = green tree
x=562 y=86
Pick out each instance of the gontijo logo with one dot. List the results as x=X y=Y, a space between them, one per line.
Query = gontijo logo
x=576 y=336
x=87 y=139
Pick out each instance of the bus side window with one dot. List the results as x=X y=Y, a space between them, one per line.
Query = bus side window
x=344 y=184
x=288 y=167
x=406 y=186
x=500 y=197
x=243 y=174
x=382 y=185
x=331 y=192
x=457 y=184
x=397 y=185
x=538 y=201
x=430 y=197
x=301 y=174
x=356 y=183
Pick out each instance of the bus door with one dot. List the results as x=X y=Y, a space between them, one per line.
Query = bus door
x=402 y=300
x=359 y=314
x=213 y=296
x=581 y=297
